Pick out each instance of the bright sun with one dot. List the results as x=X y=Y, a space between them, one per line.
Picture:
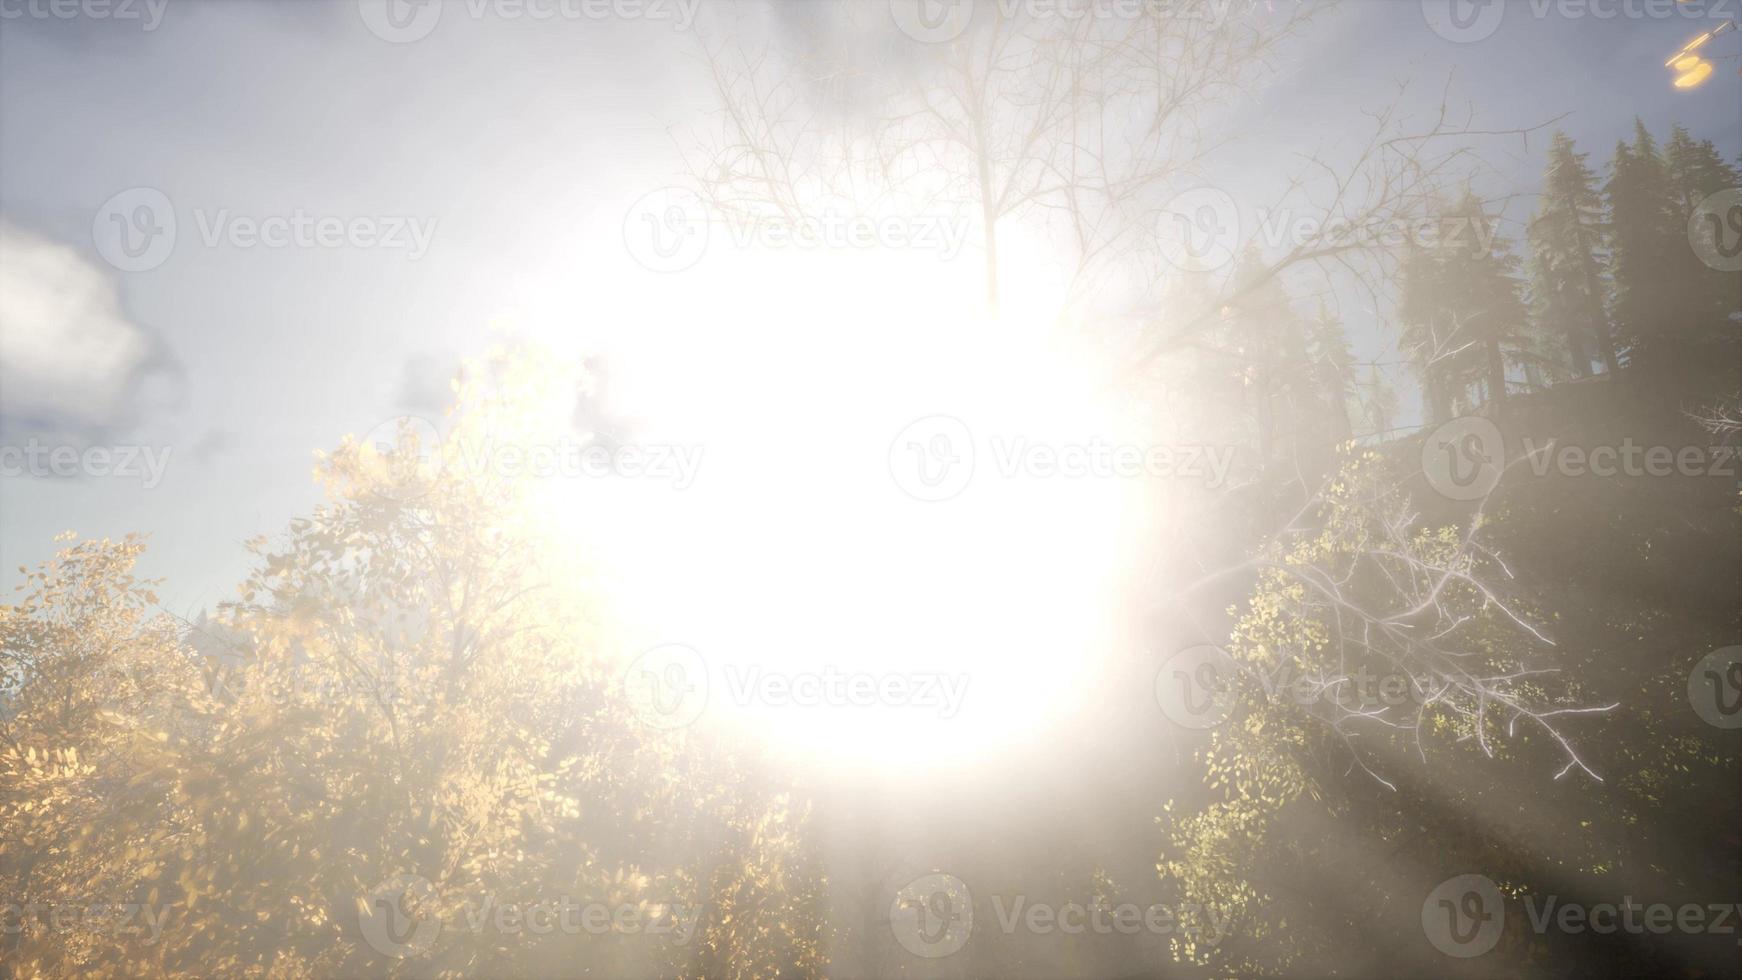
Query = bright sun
x=835 y=613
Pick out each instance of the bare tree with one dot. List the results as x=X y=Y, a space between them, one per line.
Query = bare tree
x=1082 y=122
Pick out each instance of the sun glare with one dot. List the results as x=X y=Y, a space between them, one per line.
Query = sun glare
x=797 y=553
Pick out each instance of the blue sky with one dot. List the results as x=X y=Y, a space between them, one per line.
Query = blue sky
x=520 y=145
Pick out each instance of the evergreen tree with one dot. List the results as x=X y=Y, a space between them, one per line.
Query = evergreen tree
x=1567 y=288
x=1642 y=241
x=1485 y=295
x=1704 y=296
x=1673 y=307
x=1434 y=350
x=1463 y=312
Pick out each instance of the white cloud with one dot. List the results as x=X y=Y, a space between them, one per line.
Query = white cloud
x=68 y=354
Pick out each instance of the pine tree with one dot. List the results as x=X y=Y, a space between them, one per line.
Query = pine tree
x=1486 y=294
x=1642 y=240
x=1429 y=339
x=1463 y=311
x=1567 y=288
x=1705 y=296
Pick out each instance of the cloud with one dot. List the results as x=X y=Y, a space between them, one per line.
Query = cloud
x=216 y=442
x=69 y=356
x=426 y=384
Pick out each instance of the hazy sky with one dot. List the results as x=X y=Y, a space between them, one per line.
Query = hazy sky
x=516 y=146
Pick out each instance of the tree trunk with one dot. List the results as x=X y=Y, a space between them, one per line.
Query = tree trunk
x=1606 y=346
x=1496 y=375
